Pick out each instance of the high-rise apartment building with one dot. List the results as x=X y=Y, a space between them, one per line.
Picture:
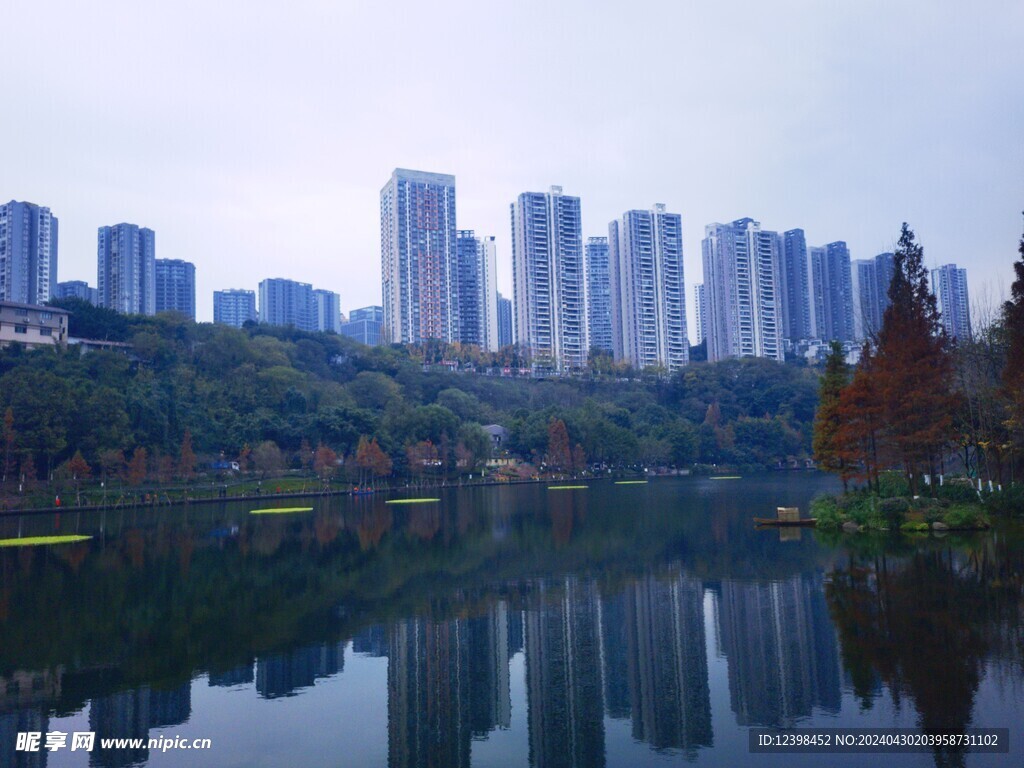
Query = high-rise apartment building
x=647 y=285
x=504 y=321
x=28 y=253
x=364 y=325
x=949 y=284
x=741 y=281
x=176 y=287
x=234 y=306
x=76 y=289
x=832 y=291
x=795 y=290
x=548 y=280
x=327 y=311
x=701 y=298
x=126 y=269
x=477 y=290
x=871 y=279
x=287 y=302
x=417 y=243
x=599 y=299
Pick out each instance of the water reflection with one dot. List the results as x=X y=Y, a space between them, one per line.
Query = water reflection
x=613 y=613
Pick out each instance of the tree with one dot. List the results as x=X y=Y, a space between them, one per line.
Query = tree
x=137 y=467
x=370 y=458
x=913 y=369
x=859 y=414
x=559 y=452
x=10 y=437
x=267 y=458
x=79 y=469
x=826 y=420
x=325 y=462
x=243 y=458
x=1013 y=373
x=111 y=464
x=421 y=456
x=186 y=457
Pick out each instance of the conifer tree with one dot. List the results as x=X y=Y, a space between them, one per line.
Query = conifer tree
x=826 y=419
x=1013 y=373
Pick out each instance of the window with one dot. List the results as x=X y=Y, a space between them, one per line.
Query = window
x=21 y=329
x=46 y=331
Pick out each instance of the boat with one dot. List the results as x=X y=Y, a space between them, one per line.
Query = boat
x=808 y=521
x=786 y=516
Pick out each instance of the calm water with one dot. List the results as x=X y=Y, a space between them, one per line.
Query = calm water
x=621 y=625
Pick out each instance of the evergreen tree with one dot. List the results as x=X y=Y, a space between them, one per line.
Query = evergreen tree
x=1013 y=374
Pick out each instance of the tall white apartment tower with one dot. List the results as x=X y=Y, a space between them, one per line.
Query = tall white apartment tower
x=742 y=284
x=549 y=280
x=28 y=253
x=126 y=269
x=646 y=275
x=949 y=284
x=418 y=259
x=700 y=296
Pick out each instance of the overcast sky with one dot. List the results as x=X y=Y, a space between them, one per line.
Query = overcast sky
x=254 y=137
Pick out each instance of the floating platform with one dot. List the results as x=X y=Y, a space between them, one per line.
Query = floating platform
x=631 y=482
x=725 y=477
x=774 y=521
x=567 y=487
x=280 y=511
x=42 y=541
x=411 y=501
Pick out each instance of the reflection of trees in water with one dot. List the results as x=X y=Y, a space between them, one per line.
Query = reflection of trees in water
x=926 y=624
x=371 y=525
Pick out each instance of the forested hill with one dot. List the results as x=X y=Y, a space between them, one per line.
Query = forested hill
x=231 y=388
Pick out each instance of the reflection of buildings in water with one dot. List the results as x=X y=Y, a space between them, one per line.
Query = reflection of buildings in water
x=22 y=689
x=515 y=632
x=371 y=641
x=122 y=715
x=428 y=694
x=282 y=674
x=656 y=667
x=170 y=707
x=781 y=648
x=563 y=676
x=20 y=721
x=448 y=681
x=242 y=675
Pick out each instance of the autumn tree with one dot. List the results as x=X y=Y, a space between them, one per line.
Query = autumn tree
x=859 y=413
x=111 y=464
x=422 y=455
x=826 y=419
x=137 y=466
x=913 y=368
x=243 y=458
x=1013 y=373
x=325 y=462
x=267 y=458
x=79 y=469
x=559 y=452
x=186 y=457
x=371 y=459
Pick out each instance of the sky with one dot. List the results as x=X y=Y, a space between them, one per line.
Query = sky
x=254 y=137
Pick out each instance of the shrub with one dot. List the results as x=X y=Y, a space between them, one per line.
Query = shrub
x=963 y=516
x=911 y=527
x=957 y=493
x=894 y=506
x=892 y=484
x=825 y=509
x=1009 y=501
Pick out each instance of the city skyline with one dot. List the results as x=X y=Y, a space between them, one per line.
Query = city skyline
x=245 y=170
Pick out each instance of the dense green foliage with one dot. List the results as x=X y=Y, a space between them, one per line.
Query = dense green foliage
x=234 y=390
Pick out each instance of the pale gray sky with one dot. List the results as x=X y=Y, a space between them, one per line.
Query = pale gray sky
x=254 y=137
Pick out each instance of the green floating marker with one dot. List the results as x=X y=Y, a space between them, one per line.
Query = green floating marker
x=280 y=511
x=411 y=501
x=726 y=477
x=631 y=482
x=566 y=487
x=42 y=541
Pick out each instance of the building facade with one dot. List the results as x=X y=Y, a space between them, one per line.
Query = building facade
x=701 y=306
x=28 y=253
x=365 y=325
x=549 y=280
x=32 y=325
x=477 y=290
x=949 y=284
x=327 y=309
x=126 y=269
x=76 y=289
x=832 y=289
x=234 y=306
x=504 y=322
x=741 y=281
x=287 y=302
x=176 y=287
x=599 y=299
x=647 y=284
x=418 y=257
x=795 y=290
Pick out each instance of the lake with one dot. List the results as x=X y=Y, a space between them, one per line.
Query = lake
x=611 y=625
